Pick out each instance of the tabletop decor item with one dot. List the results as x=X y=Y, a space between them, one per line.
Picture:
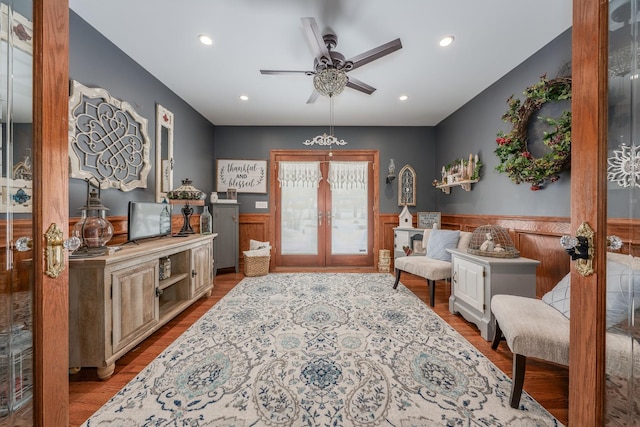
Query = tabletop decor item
x=188 y=195
x=94 y=229
x=513 y=151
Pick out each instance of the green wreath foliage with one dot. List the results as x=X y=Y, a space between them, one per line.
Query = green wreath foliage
x=515 y=159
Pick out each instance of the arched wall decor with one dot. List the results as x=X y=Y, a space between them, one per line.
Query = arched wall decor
x=407 y=186
x=108 y=140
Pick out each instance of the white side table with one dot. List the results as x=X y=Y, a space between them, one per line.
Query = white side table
x=475 y=279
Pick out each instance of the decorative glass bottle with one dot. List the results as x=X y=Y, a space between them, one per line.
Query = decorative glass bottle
x=165 y=220
x=206 y=221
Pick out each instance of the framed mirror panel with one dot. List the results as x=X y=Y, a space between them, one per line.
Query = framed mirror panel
x=164 y=152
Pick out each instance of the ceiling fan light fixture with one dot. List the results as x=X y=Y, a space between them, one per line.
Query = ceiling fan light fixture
x=330 y=82
x=446 y=41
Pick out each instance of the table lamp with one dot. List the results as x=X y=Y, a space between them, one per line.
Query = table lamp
x=188 y=196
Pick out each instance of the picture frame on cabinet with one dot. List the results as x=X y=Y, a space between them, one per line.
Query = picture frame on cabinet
x=428 y=219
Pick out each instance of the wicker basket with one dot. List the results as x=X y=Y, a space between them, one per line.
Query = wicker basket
x=498 y=245
x=256 y=265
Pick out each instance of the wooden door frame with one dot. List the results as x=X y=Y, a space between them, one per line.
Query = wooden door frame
x=589 y=204
x=50 y=205
x=273 y=182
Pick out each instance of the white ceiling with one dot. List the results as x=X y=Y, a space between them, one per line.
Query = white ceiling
x=491 y=38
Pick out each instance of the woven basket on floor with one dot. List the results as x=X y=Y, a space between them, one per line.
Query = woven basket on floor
x=256 y=265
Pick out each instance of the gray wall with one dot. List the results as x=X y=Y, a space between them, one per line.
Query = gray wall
x=406 y=145
x=95 y=62
x=473 y=129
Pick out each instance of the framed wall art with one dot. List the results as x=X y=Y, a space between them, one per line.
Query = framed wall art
x=108 y=140
x=428 y=219
x=245 y=176
x=407 y=186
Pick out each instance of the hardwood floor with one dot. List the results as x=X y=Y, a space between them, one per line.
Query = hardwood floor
x=546 y=383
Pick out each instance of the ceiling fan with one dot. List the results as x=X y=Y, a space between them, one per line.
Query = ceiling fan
x=325 y=58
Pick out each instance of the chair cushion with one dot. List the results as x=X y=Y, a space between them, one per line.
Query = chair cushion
x=441 y=240
x=532 y=328
x=424 y=266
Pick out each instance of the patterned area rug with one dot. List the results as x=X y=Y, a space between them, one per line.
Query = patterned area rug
x=341 y=349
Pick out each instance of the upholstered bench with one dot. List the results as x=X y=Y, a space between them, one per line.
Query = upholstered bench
x=436 y=264
x=532 y=328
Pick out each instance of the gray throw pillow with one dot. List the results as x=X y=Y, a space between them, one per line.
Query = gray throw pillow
x=623 y=286
x=441 y=240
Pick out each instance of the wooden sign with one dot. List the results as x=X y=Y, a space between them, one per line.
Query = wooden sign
x=245 y=176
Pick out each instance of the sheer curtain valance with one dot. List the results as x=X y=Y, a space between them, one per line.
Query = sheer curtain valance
x=299 y=174
x=348 y=175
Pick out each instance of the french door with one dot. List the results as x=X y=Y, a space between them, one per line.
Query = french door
x=324 y=210
x=604 y=375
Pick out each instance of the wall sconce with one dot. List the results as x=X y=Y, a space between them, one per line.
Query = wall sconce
x=391 y=174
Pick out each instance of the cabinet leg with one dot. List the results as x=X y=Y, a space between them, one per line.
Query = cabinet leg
x=104 y=373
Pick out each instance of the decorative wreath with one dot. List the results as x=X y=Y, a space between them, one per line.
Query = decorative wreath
x=515 y=158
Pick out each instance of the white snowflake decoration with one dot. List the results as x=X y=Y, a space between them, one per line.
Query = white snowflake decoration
x=624 y=166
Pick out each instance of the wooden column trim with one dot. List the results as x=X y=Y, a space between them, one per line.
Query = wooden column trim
x=50 y=182
x=589 y=204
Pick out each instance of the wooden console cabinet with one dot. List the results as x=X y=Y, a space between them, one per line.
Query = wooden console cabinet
x=475 y=279
x=116 y=301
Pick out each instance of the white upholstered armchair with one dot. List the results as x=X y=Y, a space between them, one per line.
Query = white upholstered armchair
x=436 y=264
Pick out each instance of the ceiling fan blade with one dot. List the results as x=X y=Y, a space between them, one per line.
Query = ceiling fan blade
x=356 y=84
x=315 y=39
x=286 y=72
x=375 y=53
x=314 y=95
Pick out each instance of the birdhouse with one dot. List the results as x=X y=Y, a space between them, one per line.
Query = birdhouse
x=406 y=219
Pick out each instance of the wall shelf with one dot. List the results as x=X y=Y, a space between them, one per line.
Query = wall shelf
x=466 y=185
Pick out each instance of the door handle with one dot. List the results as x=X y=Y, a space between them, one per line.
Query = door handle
x=54 y=255
x=581 y=248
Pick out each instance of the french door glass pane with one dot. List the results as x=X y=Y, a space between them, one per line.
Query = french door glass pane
x=349 y=219
x=623 y=173
x=299 y=207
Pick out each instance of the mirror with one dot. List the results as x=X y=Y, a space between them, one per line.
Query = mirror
x=164 y=152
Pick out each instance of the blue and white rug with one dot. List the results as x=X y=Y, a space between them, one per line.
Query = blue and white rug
x=314 y=349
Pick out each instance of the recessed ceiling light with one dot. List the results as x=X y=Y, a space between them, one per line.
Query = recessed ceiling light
x=244 y=98
x=205 y=39
x=403 y=97
x=446 y=41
